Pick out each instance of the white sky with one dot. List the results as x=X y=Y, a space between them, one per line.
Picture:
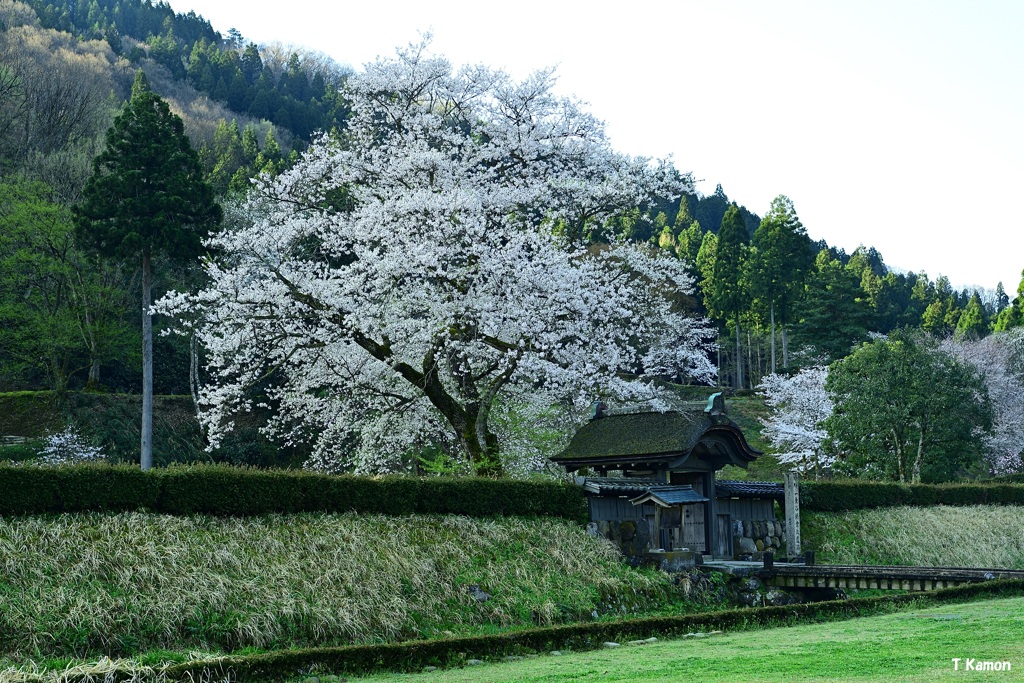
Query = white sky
x=895 y=124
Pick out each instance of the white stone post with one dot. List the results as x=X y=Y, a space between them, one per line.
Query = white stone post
x=792 y=514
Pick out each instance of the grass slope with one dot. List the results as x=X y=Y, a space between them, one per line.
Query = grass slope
x=81 y=586
x=913 y=646
x=940 y=536
x=747 y=412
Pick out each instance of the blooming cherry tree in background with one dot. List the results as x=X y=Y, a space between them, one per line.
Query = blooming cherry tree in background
x=412 y=274
x=68 y=448
x=799 y=406
x=1000 y=360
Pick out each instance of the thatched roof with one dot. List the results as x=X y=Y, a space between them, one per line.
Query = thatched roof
x=657 y=439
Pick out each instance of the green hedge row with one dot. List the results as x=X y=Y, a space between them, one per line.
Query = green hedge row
x=413 y=656
x=831 y=496
x=227 y=490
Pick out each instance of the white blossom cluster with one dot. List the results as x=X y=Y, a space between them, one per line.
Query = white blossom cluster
x=68 y=448
x=799 y=406
x=1000 y=360
x=414 y=273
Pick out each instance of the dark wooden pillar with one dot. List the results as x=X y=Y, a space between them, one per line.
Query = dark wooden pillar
x=710 y=517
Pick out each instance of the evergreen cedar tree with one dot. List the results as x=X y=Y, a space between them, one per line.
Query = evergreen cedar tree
x=781 y=257
x=147 y=196
x=729 y=295
x=413 y=282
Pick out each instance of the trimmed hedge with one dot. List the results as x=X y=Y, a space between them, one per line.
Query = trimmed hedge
x=227 y=490
x=833 y=496
x=413 y=656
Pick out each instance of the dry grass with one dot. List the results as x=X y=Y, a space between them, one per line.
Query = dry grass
x=97 y=584
x=103 y=671
x=940 y=536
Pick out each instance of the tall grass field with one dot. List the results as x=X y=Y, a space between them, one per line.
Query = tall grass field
x=940 y=536
x=77 y=587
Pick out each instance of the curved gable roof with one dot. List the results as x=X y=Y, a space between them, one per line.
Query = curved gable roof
x=657 y=438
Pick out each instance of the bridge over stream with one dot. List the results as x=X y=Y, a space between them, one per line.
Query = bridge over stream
x=861 y=577
x=885 y=578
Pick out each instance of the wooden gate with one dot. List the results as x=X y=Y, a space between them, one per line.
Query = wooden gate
x=693 y=527
x=723 y=536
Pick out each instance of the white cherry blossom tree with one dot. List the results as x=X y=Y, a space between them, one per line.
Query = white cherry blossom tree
x=421 y=268
x=799 y=406
x=999 y=358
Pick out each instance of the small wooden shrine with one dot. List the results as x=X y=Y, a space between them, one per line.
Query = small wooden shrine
x=665 y=495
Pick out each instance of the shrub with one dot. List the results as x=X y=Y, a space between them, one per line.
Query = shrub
x=68 y=448
x=833 y=496
x=228 y=490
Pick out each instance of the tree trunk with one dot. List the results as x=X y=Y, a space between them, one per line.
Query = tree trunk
x=475 y=439
x=146 y=457
x=750 y=355
x=785 y=349
x=739 y=355
x=193 y=371
x=773 y=335
x=58 y=373
x=93 y=384
x=898 y=445
x=915 y=477
x=718 y=348
x=89 y=337
x=760 y=361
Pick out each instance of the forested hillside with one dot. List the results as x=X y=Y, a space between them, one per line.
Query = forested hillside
x=69 y=316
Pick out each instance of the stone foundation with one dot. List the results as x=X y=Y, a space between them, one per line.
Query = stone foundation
x=750 y=538
x=631 y=536
x=754 y=537
x=672 y=560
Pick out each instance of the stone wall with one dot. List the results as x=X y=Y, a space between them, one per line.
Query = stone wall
x=631 y=536
x=753 y=537
x=750 y=538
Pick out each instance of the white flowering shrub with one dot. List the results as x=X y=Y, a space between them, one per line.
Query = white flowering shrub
x=68 y=448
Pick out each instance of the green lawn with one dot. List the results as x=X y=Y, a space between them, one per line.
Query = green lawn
x=914 y=646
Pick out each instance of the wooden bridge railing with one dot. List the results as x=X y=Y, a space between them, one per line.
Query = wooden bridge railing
x=885 y=578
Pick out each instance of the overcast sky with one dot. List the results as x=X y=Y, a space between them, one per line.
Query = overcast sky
x=892 y=124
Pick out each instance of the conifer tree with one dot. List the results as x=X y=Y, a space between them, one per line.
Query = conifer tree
x=782 y=259
x=146 y=196
x=973 y=322
x=833 y=314
x=728 y=298
x=1002 y=300
x=1012 y=316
